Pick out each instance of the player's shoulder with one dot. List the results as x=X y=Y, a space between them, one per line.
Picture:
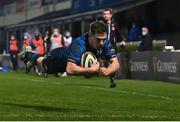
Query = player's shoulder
x=79 y=43
x=82 y=40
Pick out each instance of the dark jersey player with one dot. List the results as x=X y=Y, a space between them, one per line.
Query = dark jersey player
x=67 y=59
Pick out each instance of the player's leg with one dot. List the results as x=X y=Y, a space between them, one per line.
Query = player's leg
x=25 y=50
x=53 y=62
x=39 y=63
x=32 y=59
x=46 y=64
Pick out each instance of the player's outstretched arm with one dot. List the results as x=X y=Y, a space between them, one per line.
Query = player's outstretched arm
x=113 y=67
x=74 y=69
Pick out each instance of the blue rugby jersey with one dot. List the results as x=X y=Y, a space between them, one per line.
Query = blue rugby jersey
x=81 y=45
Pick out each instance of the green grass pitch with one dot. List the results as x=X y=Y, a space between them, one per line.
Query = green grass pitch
x=31 y=97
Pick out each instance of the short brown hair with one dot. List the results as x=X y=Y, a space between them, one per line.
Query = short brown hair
x=108 y=9
x=97 y=27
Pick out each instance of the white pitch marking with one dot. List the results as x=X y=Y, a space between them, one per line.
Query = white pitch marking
x=130 y=92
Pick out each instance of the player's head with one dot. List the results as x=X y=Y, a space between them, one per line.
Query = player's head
x=97 y=34
x=144 y=30
x=12 y=37
x=26 y=35
x=55 y=31
x=107 y=14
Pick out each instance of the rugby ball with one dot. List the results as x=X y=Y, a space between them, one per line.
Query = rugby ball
x=87 y=59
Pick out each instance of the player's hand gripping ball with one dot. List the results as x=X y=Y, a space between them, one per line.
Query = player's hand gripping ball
x=87 y=60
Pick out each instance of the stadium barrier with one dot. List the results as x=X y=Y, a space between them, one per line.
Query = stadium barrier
x=164 y=66
x=158 y=45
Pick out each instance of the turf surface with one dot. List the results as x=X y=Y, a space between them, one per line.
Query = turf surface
x=31 y=97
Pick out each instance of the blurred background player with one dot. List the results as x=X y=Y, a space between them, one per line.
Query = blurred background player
x=67 y=38
x=146 y=40
x=38 y=43
x=26 y=42
x=27 y=38
x=68 y=58
x=14 y=49
x=134 y=33
x=56 y=39
x=47 y=41
x=113 y=30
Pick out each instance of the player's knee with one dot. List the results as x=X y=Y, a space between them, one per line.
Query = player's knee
x=39 y=60
x=40 y=65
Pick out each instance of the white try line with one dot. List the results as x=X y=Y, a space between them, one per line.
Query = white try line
x=131 y=92
x=100 y=88
x=34 y=80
